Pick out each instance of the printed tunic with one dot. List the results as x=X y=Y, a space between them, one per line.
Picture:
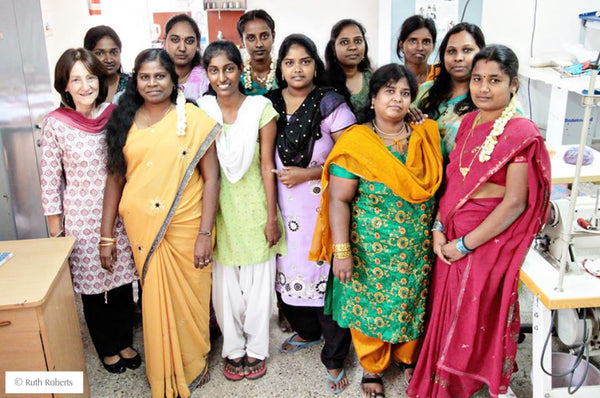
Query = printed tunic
x=73 y=177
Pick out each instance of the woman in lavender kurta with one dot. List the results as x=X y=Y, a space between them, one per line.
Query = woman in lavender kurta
x=311 y=118
x=182 y=42
x=73 y=177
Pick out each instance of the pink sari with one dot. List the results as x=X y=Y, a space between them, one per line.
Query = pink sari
x=474 y=322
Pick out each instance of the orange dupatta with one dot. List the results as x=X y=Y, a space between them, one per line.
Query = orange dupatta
x=360 y=151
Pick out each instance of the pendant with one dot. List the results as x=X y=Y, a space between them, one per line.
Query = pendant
x=464 y=171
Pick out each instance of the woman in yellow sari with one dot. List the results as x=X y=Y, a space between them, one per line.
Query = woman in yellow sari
x=164 y=180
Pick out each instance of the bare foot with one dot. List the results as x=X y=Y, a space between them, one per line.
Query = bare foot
x=284 y=324
x=233 y=369
x=111 y=360
x=287 y=347
x=254 y=368
x=128 y=353
x=342 y=382
x=371 y=385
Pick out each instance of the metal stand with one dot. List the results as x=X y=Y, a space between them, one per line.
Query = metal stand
x=588 y=101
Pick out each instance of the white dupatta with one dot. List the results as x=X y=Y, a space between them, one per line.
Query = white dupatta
x=235 y=149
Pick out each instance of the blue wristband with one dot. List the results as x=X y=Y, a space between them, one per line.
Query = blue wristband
x=437 y=226
x=460 y=246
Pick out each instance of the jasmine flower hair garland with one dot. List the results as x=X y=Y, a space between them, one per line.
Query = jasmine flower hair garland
x=492 y=139
x=181 y=119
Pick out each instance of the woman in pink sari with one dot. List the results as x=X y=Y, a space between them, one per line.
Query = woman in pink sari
x=495 y=201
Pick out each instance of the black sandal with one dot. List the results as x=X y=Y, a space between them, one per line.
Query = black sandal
x=373 y=380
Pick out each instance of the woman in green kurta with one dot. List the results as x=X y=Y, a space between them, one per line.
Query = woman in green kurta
x=375 y=218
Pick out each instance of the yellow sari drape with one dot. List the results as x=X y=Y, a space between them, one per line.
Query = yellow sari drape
x=360 y=151
x=161 y=208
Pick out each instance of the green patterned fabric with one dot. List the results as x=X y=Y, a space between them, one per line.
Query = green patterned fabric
x=392 y=255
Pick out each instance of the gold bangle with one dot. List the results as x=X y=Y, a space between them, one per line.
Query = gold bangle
x=105 y=239
x=342 y=255
x=107 y=244
x=341 y=247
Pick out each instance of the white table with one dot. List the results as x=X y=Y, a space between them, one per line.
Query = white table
x=563 y=173
x=579 y=291
x=560 y=88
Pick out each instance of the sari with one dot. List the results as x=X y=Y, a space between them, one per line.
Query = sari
x=471 y=338
x=161 y=208
x=389 y=233
x=447 y=119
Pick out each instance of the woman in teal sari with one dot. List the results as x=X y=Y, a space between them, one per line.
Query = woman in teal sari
x=445 y=99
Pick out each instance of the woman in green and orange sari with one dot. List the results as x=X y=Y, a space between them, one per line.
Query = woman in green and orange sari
x=375 y=219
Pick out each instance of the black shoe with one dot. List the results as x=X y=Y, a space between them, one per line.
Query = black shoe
x=117 y=367
x=132 y=363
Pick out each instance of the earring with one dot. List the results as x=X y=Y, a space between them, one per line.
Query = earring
x=315 y=74
x=372 y=107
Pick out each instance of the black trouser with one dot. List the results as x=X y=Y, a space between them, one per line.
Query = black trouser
x=311 y=323
x=109 y=318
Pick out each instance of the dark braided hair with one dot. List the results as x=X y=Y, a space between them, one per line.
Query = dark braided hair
x=122 y=117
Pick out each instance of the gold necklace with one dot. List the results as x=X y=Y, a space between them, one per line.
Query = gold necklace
x=400 y=138
x=465 y=170
x=146 y=116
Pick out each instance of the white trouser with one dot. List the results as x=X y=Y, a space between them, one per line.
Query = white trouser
x=242 y=301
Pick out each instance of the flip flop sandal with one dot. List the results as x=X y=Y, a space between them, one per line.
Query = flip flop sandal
x=335 y=380
x=404 y=367
x=257 y=373
x=236 y=365
x=297 y=345
x=373 y=380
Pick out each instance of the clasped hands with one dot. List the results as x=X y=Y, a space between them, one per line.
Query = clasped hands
x=444 y=249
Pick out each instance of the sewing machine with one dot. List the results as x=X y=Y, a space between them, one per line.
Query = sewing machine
x=585 y=242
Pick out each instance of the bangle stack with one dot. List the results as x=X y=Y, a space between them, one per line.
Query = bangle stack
x=104 y=241
x=341 y=250
x=460 y=246
x=438 y=226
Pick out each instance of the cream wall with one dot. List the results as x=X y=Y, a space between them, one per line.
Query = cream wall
x=510 y=22
x=315 y=18
x=67 y=21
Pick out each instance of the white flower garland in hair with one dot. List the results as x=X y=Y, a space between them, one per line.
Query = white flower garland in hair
x=181 y=119
x=492 y=139
x=248 y=74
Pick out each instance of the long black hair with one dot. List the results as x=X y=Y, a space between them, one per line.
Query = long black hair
x=230 y=50
x=186 y=18
x=311 y=49
x=122 y=117
x=333 y=70
x=411 y=24
x=387 y=74
x=441 y=90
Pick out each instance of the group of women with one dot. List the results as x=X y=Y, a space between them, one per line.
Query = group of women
x=321 y=180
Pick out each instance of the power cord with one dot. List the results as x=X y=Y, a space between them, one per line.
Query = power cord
x=464 y=10
x=583 y=349
x=535 y=6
